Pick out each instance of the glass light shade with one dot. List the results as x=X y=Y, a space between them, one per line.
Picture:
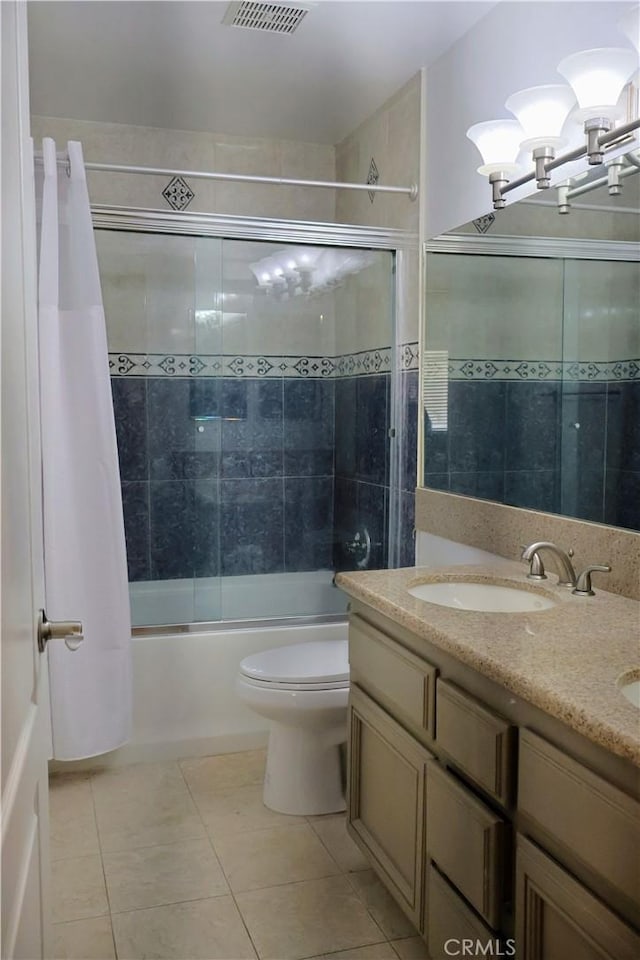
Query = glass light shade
x=597 y=77
x=630 y=24
x=499 y=144
x=541 y=112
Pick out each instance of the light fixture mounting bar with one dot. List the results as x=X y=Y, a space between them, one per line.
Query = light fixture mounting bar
x=604 y=140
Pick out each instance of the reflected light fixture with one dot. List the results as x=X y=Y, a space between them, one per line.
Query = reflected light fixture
x=596 y=80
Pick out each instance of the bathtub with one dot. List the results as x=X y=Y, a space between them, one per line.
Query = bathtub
x=184 y=702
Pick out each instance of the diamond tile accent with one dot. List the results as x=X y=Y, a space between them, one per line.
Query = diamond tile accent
x=178 y=194
x=372 y=177
x=482 y=224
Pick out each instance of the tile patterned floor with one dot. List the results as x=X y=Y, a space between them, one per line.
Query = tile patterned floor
x=181 y=861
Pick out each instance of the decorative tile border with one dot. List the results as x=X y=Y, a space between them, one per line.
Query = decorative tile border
x=409 y=354
x=365 y=363
x=362 y=363
x=603 y=371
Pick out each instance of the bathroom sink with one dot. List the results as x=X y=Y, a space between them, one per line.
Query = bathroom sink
x=485 y=597
x=629 y=687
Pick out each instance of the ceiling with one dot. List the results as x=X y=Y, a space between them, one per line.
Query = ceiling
x=174 y=64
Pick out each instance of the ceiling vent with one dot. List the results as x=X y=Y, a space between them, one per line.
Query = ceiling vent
x=270 y=17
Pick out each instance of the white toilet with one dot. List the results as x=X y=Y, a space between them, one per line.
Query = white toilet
x=303 y=690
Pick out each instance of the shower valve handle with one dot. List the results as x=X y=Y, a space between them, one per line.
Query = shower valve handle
x=70 y=631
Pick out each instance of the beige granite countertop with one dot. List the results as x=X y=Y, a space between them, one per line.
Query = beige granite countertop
x=567 y=660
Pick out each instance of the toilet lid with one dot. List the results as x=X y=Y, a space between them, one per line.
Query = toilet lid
x=319 y=661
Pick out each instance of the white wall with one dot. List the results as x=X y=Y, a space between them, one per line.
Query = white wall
x=516 y=45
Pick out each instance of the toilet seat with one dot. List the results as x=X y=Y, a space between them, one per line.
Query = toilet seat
x=293 y=687
x=317 y=665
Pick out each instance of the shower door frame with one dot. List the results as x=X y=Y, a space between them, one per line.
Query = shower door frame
x=399 y=242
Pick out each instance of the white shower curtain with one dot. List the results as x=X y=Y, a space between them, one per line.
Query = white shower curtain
x=84 y=546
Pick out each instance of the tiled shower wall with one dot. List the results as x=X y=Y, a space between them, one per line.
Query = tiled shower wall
x=247 y=475
x=249 y=493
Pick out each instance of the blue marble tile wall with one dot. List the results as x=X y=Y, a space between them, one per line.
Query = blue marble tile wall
x=225 y=476
x=361 y=487
x=409 y=397
x=518 y=443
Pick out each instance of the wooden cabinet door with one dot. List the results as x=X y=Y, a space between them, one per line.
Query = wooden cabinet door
x=559 y=919
x=385 y=799
x=466 y=840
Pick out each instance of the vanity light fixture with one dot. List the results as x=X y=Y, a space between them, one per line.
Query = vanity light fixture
x=597 y=78
x=499 y=144
x=630 y=24
x=542 y=112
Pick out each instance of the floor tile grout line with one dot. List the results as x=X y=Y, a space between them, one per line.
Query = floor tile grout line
x=335 y=860
x=170 y=903
x=164 y=843
x=104 y=873
x=285 y=883
x=90 y=916
x=364 y=903
x=333 y=953
x=224 y=874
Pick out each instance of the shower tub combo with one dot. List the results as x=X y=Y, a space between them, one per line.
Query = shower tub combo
x=259 y=418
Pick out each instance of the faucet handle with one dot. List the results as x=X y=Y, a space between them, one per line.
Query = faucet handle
x=536 y=566
x=583 y=586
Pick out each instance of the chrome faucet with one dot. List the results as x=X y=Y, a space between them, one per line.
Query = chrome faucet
x=567 y=575
x=581 y=585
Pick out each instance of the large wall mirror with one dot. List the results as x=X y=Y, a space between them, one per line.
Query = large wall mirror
x=531 y=356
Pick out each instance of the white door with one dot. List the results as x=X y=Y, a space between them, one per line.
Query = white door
x=25 y=861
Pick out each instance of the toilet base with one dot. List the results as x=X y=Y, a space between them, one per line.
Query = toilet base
x=303 y=774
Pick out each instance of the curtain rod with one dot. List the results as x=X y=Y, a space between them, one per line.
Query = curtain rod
x=411 y=192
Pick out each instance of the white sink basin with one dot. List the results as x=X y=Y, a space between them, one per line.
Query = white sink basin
x=629 y=687
x=484 y=597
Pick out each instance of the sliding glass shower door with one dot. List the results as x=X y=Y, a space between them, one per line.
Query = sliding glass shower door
x=252 y=392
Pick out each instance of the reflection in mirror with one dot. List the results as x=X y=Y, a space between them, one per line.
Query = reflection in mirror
x=531 y=359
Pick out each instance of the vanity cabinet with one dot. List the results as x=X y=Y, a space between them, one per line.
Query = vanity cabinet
x=466 y=840
x=477 y=742
x=557 y=918
x=386 y=798
x=480 y=827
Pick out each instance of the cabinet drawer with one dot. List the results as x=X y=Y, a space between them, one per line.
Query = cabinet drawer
x=398 y=679
x=583 y=814
x=450 y=919
x=558 y=919
x=478 y=741
x=466 y=840
x=385 y=802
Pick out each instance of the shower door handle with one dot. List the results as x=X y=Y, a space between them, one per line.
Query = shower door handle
x=71 y=631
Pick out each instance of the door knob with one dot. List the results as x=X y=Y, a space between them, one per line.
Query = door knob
x=68 y=630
